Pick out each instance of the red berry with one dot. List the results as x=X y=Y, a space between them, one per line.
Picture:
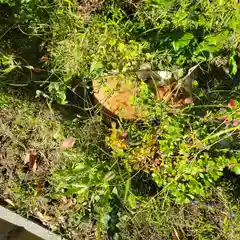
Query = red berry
x=232 y=103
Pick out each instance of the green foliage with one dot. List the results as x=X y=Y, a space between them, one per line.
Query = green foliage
x=216 y=218
x=181 y=151
x=189 y=32
x=9 y=2
x=90 y=182
x=88 y=55
x=7 y=63
x=169 y=34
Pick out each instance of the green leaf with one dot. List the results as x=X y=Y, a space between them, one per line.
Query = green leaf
x=115 y=191
x=127 y=187
x=236 y=170
x=121 y=47
x=206 y=48
x=233 y=65
x=132 y=201
x=183 y=41
x=96 y=66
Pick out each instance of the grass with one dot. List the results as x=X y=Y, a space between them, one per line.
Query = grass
x=173 y=174
x=209 y=220
x=37 y=191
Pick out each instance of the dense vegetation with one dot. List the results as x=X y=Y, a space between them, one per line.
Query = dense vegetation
x=171 y=175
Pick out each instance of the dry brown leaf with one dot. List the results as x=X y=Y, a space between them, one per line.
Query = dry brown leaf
x=162 y=91
x=34 y=168
x=40 y=187
x=69 y=142
x=122 y=144
x=175 y=96
x=123 y=136
x=31 y=159
x=177 y=104
x=44 y=59
x=67 y=202
x=26 y=158
x=188 y=100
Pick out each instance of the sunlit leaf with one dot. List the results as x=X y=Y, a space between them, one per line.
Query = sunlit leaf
x=236 y=170
x=183 y=41
x=132 y=201
x=96 y=66
x=233 y=65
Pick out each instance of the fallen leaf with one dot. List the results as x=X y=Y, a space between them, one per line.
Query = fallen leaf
x=69 y=142
x=31 y=159
x=188 y=100
x=43 y=218
x=230 y=166
x=122 y=144
x=9 y=202
x=40 y=187
x=123 y=136
x=44 y=59
x=34 y=168
x=173 y=95
x=27 y=157
x=164 y=92
x=156 y=162
x=178 y=104
x=67 y=202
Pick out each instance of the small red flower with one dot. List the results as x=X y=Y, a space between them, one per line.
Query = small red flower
x=232 y=103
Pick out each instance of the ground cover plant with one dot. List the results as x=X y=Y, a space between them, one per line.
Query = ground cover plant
x=173 y=173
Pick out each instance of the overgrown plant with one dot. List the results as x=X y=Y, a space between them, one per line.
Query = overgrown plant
x=184 y=153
